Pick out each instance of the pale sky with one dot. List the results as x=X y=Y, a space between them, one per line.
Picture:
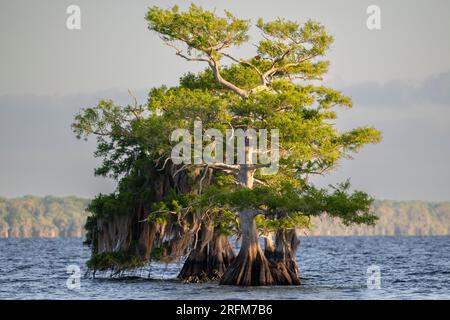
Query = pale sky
x=399 y=78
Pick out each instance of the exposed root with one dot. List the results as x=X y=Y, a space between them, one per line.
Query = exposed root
x=283 y=266
x=250 y=268
x=220 y=256
x=209 y=259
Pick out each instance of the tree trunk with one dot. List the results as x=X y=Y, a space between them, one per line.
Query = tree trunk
x=194 y=268
x=210 y=257
x=250 y=268
x=269 y=248
x=220 y=256
x=282 y=259
x=196 y=264
x=294 y=242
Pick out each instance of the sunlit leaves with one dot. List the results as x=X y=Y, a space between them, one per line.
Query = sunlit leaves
x=132 y=139
x=290 y=46
x=289 y=205
x=199 y=29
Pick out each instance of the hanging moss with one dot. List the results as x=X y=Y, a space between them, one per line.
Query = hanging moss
x=91 y=233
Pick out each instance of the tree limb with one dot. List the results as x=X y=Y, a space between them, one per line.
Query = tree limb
x=180 y=53
x=243 y=62
x=216 y=71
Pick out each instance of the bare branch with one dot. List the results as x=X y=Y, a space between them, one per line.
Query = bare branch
x=134 y=110
x=260 y=182
x=134 y=98
x=257 y=166
x=200 y=187
x=179 y=170
x=164 y=164
x=224 y=166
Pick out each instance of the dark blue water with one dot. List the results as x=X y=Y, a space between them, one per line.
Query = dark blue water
x=331 y=268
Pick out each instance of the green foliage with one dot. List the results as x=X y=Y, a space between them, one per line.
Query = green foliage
x=242 y=75
x=224 y=221
x=270 y=90
x=111 y=204
x=289 y=44
x=200 y=29
x=175 y=202
x=286 y=50
x=309 y=143
x=290 y=205
x=295 y=220
x=91 y=232
x=117 y=130
x=158 y=252
x=350 y=207
x=116 y=261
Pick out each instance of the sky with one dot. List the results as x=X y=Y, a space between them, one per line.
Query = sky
x=398 y=77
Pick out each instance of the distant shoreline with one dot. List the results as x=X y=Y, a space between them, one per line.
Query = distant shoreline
x=64 y=217
x=301 y=236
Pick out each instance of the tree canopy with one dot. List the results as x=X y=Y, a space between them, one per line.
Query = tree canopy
x=276 y=89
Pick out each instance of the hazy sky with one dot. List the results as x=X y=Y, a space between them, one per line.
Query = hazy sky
x=399 y=78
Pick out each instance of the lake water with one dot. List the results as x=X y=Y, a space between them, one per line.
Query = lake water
x=331 y=268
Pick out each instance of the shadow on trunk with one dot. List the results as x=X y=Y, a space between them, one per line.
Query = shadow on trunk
x=281 y=257
x=210 y=257
x=250 y=268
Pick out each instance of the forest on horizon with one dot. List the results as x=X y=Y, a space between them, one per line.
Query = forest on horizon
x=51 y=217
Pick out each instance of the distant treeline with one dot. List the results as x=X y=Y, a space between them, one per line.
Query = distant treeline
x=50 y=216
x=409 y=218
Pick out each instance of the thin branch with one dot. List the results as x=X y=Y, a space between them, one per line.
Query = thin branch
x=164 y=165
x=257 y=166
x=260 y=182
x=133 y=110
x=243 y=62
x=224 y=166
x=134 y=98
x=200 y=187
x=179 y=170
x=180 y=53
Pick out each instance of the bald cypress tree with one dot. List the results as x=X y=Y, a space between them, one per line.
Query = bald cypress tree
x=272 y=89
x=163 y=209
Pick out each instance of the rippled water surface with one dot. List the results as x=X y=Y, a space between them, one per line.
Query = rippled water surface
x=331 y=268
